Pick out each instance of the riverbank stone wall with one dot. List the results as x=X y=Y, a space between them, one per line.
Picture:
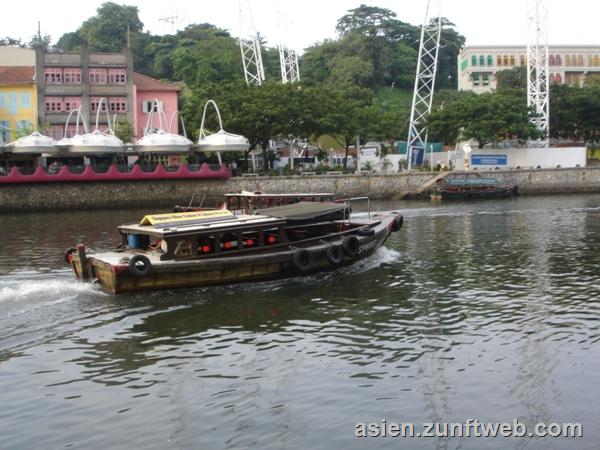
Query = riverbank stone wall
x=166 y=193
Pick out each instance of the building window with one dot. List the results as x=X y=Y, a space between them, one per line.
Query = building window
x=473 y=60
x=558 y=60
x=522 y=59
x=512 y=60
x=505 y=60
x=485 y=80
x=72 y=103
x=580 y=60
x=13 y=105
x=568 y=60
x=481 y=60
x=118 y=104
x=24 y=126
x=52 y=75
x=26 y=101
x=558 y=78
x=98 y=76
x=55 y=131
x=551 y=60
x=499 y=60
x=94 y=101
x=117 y=76
x=72 y=75
x=71 y=130
x=4 y=131
x=490 y=60
x=53 y=104
x=475 y=77
x=596 y=60
x=151 y=105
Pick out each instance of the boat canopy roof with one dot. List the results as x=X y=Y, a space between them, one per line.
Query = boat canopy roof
x=287 y=195
x=307 y=210
x=193 y=222
x=471 y=182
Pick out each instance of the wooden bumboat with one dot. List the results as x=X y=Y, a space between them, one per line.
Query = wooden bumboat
x=202 y=248
x=474 y=188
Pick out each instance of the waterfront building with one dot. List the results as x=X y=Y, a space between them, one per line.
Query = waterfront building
x=18 y=102
x=66 y=81
x=70 y=80
x=146 y=91
x=478 y=65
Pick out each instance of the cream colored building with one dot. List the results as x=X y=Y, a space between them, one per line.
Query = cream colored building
x=17 y=57
x=478 y=65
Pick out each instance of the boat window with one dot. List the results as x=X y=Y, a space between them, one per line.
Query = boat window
x=206 y=244
x=228 y=242
x=183 y=248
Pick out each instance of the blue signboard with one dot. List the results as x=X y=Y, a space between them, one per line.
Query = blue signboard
x=489 y=160
x=416 y=156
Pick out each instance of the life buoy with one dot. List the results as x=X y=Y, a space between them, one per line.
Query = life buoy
x=334 y=255
x=397 y=223
x=350 y=246
x=69 y=254
x=140 y=265
x=366 y=231
x=302 y=260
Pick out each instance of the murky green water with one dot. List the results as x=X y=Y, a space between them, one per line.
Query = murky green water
x=486 y=310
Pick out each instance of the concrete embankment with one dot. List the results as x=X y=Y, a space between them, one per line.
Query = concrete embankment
x=73 y=196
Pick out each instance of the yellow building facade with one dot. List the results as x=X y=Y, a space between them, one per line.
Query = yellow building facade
x=18 y=102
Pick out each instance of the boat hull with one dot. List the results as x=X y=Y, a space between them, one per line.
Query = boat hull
x=470 y=194
x=117 y=278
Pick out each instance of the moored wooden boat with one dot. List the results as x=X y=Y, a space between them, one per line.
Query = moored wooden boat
x=205 y=248
x=246 y=202
x=473 y=188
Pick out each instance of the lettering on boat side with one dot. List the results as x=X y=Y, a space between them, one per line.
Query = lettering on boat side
x=367 y=246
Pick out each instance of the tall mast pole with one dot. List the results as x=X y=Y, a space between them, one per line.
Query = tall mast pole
x=429 y=47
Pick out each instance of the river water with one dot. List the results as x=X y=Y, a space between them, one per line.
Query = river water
x=487 y=310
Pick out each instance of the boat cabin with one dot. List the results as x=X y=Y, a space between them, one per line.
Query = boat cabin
x=197 y=234
x=246 y=202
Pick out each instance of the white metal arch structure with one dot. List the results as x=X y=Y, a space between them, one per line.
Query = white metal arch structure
x=254 y=72
x=429 y=47
x=288 y=60
x=538 y=88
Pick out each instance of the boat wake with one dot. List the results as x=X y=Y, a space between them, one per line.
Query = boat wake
x=41 y=288
x=382 y=255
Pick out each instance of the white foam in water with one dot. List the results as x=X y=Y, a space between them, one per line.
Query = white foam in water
x=49 y=291
x=382 y=255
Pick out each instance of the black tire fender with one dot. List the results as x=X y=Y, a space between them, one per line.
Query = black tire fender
x=302 y=260
x=366 y=231
x=398 y=222
x=68 y=252
x=350 y=246
x=140 y=266
x=334 y=255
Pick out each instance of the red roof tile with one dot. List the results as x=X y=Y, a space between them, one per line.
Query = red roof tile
x=145 y=83
x=17 y=75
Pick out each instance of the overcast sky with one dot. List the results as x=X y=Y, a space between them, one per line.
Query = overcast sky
x=302 y=23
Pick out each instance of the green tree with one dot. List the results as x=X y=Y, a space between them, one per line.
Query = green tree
x=487 y=118
x=124 y=130
x=107 y=30
x=69 y=41
x=368 y=20
x=575 y=113
x=42 y=40
x=515 y=78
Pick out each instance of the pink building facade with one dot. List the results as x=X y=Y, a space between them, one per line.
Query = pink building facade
x=146 y=91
